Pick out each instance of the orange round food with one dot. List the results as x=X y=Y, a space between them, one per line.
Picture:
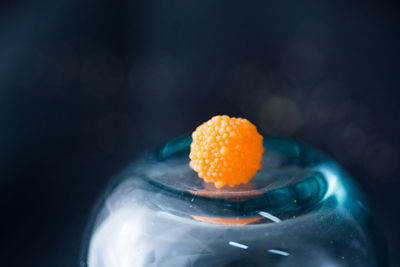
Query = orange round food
x=226 y=151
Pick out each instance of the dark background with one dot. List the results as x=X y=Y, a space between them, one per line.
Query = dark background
x=87 y=86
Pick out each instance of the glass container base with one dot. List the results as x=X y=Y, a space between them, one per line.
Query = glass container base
x=301 y=209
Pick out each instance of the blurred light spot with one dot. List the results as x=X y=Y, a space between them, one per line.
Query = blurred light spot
x=381 y=162
x=316 y=32
x=279 y=115
x=242 y=78
x=155 y=80
x=362 y=115
x=348 y=142
x=303 y=62
x=253 y=101
x=269 y=85
x=329 y=102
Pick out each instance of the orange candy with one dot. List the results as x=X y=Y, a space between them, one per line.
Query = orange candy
x=226 y=151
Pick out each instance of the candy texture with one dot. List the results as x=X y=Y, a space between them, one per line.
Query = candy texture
x=226 y=151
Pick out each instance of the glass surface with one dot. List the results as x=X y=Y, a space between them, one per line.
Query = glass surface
x=300 y=209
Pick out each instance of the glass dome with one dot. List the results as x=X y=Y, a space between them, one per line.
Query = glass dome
x=301 y=209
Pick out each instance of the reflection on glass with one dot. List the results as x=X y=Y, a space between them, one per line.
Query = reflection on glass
x=301 y=209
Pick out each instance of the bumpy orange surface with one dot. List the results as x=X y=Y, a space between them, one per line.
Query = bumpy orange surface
x=226 y=151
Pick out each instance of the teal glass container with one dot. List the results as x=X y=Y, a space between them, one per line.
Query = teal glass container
x=301 y=209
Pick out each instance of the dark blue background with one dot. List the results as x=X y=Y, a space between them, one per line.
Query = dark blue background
x=86 y=86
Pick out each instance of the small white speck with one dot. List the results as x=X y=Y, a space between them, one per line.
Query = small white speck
x=238 y=245
x=269 y=216
x=279 y=252
x=342 y=257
